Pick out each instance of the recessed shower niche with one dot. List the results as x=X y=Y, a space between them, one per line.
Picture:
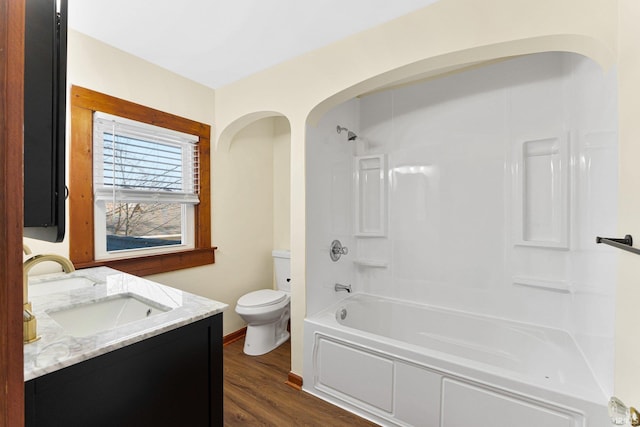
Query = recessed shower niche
x=370 y=195
x=541 y=192
x=491 y=185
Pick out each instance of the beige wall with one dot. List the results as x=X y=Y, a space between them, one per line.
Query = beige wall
x=99 y=67
x=281 y=183
x=627 y=370
x=242 y=229
x=245 y=221
x=446 y=35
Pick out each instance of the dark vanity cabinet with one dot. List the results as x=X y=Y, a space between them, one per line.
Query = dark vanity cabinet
x=173 y=379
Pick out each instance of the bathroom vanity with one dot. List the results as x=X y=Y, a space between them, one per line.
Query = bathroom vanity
x=116 y=349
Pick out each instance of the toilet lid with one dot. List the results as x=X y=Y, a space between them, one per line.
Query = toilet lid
x=261 y=298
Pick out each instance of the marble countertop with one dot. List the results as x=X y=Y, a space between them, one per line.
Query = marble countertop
x=57 y=349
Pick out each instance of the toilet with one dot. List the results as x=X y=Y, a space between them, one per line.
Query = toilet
x=267 y=311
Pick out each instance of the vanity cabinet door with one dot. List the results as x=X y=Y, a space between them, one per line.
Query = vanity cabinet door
x=173 y=379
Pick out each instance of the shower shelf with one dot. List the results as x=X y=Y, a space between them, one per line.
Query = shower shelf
x=546 y=284
x=371 y=263
x=626 y=243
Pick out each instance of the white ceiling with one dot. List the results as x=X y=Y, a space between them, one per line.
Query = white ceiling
x=216 y=42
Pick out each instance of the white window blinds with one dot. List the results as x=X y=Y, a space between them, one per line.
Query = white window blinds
x=138 y=162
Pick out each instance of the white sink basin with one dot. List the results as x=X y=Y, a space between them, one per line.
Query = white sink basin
x=59 y=284
x=104 y=314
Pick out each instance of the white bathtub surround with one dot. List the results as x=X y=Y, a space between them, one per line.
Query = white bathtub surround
x=57 y=349
x=497 y=180
x=330 y=205
x=399 y=363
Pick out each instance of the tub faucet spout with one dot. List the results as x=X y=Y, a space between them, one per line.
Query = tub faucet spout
x=339 y=287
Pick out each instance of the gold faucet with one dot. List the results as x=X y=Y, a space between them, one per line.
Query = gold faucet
x=29 y=333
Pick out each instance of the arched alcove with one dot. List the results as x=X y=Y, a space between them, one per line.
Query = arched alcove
x=251 y=201
x=453 y=145
x=228 y=133
x=457 y=61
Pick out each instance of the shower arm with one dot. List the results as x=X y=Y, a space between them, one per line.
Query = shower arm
x=351 y=136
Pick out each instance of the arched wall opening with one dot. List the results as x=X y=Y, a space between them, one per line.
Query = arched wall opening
x=459 y=60
x=251 y=203
x=226 y=137
x=493 y=182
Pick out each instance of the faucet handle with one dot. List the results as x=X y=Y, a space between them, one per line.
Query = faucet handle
x=29 y=328
x=337 y=250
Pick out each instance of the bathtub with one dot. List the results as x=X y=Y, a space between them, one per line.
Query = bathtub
x=399 y=363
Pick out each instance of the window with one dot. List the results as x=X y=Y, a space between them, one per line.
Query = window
x=139 y=187
x=145 y=184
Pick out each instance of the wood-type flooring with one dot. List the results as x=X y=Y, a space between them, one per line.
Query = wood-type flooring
x=255 y=393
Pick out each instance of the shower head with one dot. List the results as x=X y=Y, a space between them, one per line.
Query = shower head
x=351 y=136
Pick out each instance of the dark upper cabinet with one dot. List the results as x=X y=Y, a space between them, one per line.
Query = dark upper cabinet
x=44 y=119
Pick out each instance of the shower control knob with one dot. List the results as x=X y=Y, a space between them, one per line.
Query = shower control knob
x=337 y=250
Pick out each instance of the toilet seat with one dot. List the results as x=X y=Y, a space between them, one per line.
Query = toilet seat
x=261 y=298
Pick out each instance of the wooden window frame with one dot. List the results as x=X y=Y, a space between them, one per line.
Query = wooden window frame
x=84 y=102
x=12 y=28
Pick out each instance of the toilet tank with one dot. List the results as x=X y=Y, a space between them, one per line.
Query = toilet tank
x=282 y=267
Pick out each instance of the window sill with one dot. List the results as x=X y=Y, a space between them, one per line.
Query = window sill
x=154 y=264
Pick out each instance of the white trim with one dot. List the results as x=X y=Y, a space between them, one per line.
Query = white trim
x=151 y=130
x=100 y=238
x=142 y=196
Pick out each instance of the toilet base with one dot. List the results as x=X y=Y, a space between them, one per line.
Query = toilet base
x=261 y=339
